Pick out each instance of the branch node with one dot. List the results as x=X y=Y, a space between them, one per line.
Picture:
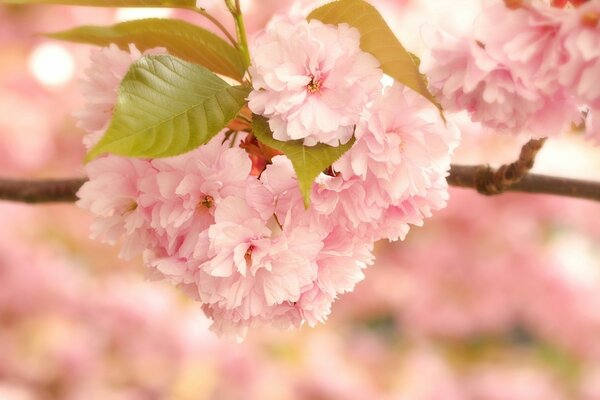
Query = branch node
x=491 y=182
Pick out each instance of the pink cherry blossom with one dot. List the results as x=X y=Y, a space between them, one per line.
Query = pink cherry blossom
x=374 y=178
x=112 y=195
x=581 y=40
x=312 y=80
x=256 y=265
x=527 y=40
x=507 y=76
x=398 y=150
x=465 y=76
x=185 y=189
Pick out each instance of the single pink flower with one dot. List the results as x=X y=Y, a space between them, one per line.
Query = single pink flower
x=581 y=40
x=496 y=93
x=382 y=185
x=256 y=264
x=112 y=195
x=312 y=80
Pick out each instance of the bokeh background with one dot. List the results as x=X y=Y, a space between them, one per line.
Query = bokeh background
x=494 y=299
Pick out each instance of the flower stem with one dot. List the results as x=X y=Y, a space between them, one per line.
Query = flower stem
x=236 y=12
x=215 y=22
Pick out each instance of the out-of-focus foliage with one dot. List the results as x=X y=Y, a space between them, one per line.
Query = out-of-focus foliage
x=179 y=38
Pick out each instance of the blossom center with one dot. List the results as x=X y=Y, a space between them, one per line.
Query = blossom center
x=314 y=86
x=590 y=19
x=207 y=201
x=513 y=4
x=130 y=208
x=248 y=255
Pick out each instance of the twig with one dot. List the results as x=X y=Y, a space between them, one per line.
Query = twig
x=217 y=23
x=40 y=191
x=465 y=176
x=514 y=177
x=468 y=176
x=490 y=181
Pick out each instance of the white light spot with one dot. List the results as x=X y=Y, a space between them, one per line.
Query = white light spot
x=387 y=80
x=51 y=64
x=247 y=5
x=128 y=14
x=577 y=259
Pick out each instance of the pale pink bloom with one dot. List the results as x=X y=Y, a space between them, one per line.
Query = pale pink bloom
x=527 y=40
x=100 y=86
x=465 y=76
x=340 y=267
x=581 y=40
x=344 y=255
x=383 y=184
x=276 y=265
x=396 y=220
x=256 y=264
x=182 y=195
x=398 y=151
x=342 y=261
x=340 y=200
x=112 y=195
x=312 y=80
x=181 y=199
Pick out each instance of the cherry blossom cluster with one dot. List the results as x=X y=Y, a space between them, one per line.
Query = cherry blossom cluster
x=231 y=229
x=526 y=67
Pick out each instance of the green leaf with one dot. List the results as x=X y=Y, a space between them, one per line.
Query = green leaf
x=308 y=161
x=110 y=3
x=181 y=39
x=378 y=39
x=167 y=107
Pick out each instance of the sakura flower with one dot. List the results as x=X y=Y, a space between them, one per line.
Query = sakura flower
x=465 y=76
x=183 y=193
x=581 y=39
x=527 y=40
x=312 y=80
x=112 y=194
x=396 y=220
x=396 y=150
x=342 y=261
x=398 y=157
x=256 y=264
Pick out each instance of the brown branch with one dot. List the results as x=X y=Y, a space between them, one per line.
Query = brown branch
x=40 y=191
x=514 y=177
x=490 y=181
x=465 y=176
x=469 y=176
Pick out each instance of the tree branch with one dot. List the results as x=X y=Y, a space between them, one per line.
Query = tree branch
x=469 y=176
x=490 y=181
x=40 y=191
x=513 y=177
x=465 y=176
